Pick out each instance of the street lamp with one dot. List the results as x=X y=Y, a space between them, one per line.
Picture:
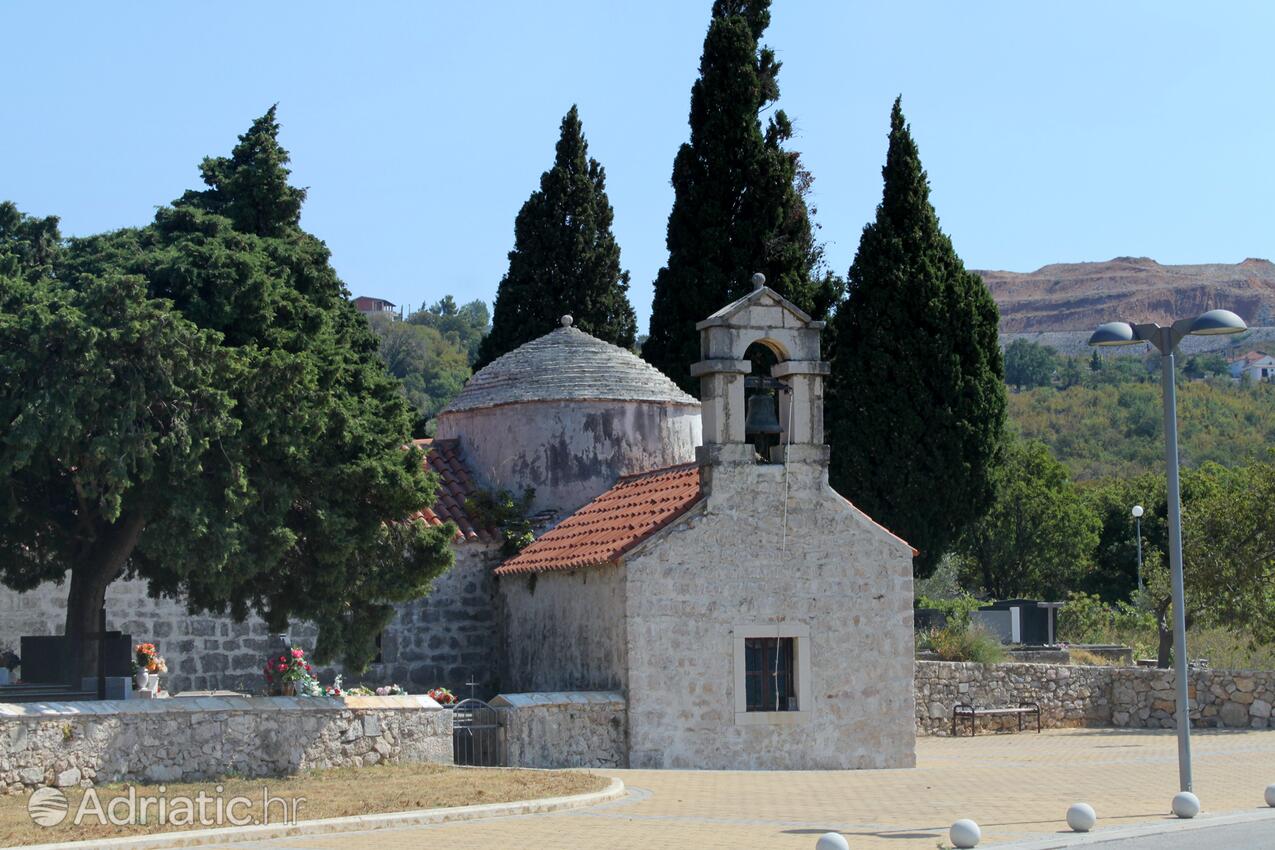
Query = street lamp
x=1166 y=340
x=1137 y=518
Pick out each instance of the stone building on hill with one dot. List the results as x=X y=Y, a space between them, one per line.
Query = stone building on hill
x=706 y=577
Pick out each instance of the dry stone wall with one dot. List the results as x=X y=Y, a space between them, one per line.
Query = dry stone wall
x=189 y=739
x=579 y=729
x=1127 y=697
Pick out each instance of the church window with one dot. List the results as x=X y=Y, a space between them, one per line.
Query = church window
x=772 y=673
x=769 y=681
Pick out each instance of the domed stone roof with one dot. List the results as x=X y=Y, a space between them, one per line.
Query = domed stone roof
x=563 y=365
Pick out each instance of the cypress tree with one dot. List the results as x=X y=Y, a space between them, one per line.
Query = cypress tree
x=916 y=402
x=738 y=196
x=565 y=257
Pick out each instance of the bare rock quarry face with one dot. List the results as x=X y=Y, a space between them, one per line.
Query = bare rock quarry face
x=1080 y=296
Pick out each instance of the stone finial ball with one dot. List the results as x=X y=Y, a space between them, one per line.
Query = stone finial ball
x=1186 y=804
x=1081 y=817
x=759 y=280
x=1270 y=795
x=832 y=841
x=965 y=833
x=566 y=321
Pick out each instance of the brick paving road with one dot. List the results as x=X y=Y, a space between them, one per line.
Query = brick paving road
x=1016 y=786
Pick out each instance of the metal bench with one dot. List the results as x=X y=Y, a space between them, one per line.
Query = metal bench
x=961 y=711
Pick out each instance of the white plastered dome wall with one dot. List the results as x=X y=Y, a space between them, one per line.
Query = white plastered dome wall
x=566 y=415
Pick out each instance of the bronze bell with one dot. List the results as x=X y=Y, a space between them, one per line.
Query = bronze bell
x=763 y=415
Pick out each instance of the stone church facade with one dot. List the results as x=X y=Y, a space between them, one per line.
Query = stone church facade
x=676 y=585
x=750 y=616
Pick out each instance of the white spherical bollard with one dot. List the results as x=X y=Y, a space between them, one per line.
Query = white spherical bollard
x=965 y=833
x=832 y=841
x=1186 y=804
x=1081 y=817
x=1270 y=795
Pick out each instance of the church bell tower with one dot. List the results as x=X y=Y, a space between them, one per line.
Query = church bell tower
x=765 y=318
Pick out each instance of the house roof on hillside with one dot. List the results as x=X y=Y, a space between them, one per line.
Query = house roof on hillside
x=604 y=530
x=455 y=486
x=600 y=532
x=1251 y=357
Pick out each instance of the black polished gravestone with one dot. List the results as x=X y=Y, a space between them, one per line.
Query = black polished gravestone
x=46 y=659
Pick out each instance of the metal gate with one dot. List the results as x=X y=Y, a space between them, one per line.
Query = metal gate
x=476 y=734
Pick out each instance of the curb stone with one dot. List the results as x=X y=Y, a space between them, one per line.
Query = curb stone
x=1168 y=826
x=332 y=826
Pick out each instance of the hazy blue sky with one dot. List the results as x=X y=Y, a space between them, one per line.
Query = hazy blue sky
x=1051 y=132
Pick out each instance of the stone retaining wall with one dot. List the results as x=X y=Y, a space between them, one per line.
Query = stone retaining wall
x=189 y=739
x=1129 y=697
x=577 y=729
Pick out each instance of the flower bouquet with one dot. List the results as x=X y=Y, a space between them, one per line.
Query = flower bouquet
x=393 y=690
x=147 y=665
x=291 y=675
x=442 y=696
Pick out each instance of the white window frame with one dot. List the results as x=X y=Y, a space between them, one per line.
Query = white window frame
x=800 y=633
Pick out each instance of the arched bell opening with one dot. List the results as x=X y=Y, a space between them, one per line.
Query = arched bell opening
x=765 y=397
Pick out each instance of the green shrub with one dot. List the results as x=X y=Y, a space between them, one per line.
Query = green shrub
x=967 y=643
x=957 y=609
x=1085 y=618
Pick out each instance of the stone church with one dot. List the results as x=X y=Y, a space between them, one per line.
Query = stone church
x=751 y=616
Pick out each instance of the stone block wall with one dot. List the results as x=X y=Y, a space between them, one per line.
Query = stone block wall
x=449 y=638
x=552 y=730
x=1127 y=697
x=190 y=739
x=833 y=580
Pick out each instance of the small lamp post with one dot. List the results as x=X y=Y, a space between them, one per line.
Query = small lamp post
x=1137 y=518
x=1166 y=342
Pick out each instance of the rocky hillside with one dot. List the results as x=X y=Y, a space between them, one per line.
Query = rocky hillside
x=1080 y=296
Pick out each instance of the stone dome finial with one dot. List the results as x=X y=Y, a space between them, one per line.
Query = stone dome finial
x=566 y=321
x=759 y=280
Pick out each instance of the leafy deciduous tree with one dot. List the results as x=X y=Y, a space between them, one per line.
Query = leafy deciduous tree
x=1029 y=364
x=1039 y=535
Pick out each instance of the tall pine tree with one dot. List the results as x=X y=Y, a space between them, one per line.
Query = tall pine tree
x=916 y=405
x=565 y=257
x=738 y=196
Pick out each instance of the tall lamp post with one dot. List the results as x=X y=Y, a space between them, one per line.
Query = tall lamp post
x=1137 y=518
x=1166 y=342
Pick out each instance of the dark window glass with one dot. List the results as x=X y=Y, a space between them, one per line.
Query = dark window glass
x=769 y=684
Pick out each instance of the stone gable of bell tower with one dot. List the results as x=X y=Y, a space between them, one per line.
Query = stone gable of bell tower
x=764 y=317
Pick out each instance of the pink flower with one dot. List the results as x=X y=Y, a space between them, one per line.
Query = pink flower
x=296 y=653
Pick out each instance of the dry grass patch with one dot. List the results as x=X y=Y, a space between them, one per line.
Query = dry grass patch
x=327 y=794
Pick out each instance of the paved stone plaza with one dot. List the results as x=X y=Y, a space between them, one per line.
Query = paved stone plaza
x=1016 y=786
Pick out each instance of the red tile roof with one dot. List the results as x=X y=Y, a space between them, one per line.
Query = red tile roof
x=599 y=533
x=455 y=485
